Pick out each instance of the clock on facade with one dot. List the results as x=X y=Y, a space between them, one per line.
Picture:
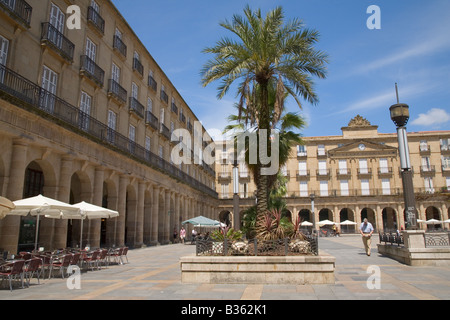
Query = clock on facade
x=362 y=147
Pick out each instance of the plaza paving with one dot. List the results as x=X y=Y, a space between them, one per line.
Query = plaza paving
x=153 y=273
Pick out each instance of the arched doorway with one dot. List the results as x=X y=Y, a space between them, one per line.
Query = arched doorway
x=305 y=215
x=33 y=186
x=225 y=217
x=432 y=212
x=370 y=215
x=390 y=223
x=80 y=190
x=325 y=214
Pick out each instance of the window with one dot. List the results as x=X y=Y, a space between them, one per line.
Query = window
x=324 y=188
x=85 y=111
x=385 y=186
x=57 y=18
x=302 y=169
x=161 y=152
x=342 y=166
x=115 y=73
x=134 y=90
x=49 y=83
x=224 y=191
x=447 y=179
x=429 y=184
x=147 y=147
x=4 y=44
x=321 y=150
x=423 y=145
x=111 y=126
x=344 y=188
x=365 y=190
x=322 y=167
x=384 y=166
x=426 y=165
x=149 y=105
x=444 y=144
x=301 y=150
x=303 y=189
x=363 y=166
x=446 y=163
x=91 y=51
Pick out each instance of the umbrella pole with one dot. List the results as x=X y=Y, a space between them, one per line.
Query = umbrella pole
x=81 y=234
x=36 y=233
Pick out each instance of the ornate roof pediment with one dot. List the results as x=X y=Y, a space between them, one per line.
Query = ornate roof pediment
x=363 y=148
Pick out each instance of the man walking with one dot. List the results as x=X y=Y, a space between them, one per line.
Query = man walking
x=366 y=231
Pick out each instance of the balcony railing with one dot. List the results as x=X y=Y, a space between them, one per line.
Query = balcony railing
x=182 y=118
x=137 y=66
x=119 y=45
x=57 y=41
x=89 y=68
x=303 y=174
x=165 y=131
x=164 y=96
x=29 y=96
x=117 y=91
x=151 y=120
x=431 y=169
x=136 y=107
x=174 y=108
x=94 y=17
x=152 y=83
x=19 y=10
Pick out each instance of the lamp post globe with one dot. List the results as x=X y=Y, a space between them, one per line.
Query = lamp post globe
x=399 y=114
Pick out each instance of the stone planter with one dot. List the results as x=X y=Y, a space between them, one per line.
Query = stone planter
x=304 y=269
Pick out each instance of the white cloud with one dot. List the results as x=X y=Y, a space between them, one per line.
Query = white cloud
x=433 y=117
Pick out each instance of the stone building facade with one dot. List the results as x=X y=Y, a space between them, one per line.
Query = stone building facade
x=353 y=176
x=87 y=115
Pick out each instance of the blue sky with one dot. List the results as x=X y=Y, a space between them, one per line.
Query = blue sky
x=412 y=48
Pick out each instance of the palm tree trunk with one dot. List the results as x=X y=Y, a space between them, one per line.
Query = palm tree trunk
x=264 y=124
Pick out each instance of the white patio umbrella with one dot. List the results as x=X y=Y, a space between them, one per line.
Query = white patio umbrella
x=306 y=224
x=90 y=211
x=433 y=221
x=40 y=205
x=326 y=223
x=347 y=223
x=6 y=206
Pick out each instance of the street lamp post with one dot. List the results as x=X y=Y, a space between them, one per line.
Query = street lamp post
x=400 y=116
x=237 y=218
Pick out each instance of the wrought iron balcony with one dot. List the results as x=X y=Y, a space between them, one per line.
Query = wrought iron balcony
x=24 y=94
x=152 y=83
x=120 y=46
x=174 y=108
x=57 y=41
x=90 y=69
x=96 y=20
x=136 y=107
x=164 y=96
x=165 y=131
x=137 y=66
x=19 y=10
x=151 y=120
x=182 y=118
x=115 y=90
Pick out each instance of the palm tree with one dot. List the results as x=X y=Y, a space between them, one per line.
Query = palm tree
x=266 y=51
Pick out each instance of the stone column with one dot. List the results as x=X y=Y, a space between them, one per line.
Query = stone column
x=166 y=216
x=60 y=226
x=148 y=215
x=155 y=216
x=10 y=225
x=139 y=223
x=119 y=237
